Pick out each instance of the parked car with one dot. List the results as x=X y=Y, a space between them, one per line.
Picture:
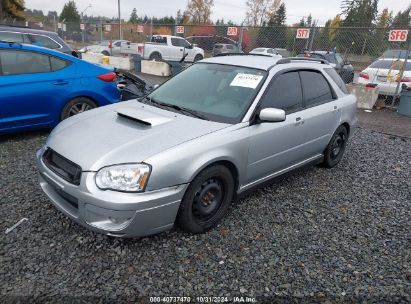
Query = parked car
x=42 y=38
x=343 y=68
x=40 y=87
x=385 y=73
x=399 y=54
x=223 y=48
x=181 y=154
x=106 y=47
x=266 y=51
x=283 y=52
x=171 y=48
x=207 y=42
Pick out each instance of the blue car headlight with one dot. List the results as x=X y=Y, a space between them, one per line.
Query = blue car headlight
x=125 y=178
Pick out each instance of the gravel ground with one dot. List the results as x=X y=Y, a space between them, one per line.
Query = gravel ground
x=315 y=235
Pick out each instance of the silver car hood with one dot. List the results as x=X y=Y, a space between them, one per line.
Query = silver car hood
x=123 y=133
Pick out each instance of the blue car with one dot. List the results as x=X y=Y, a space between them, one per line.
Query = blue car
x=40 y=87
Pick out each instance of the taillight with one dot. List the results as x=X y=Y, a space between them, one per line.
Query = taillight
x=306 y=55
x=110 y=45
x=403 y=79
x=364 y=75
x=109 y=77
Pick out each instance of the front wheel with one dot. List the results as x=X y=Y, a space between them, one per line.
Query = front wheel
x=76 y=106
x=207 y=200
x=198 y=57
x=336 y=147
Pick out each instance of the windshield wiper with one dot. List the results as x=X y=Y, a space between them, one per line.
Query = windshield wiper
x=175 y=107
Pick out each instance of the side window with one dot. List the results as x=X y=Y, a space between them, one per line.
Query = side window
x=58 y=64
x=337 y=79
x=340 y=60
x=315 y=87
x=44 y=42
x=117 y=44
x=175 y=41
x=284 y=92
x=21 y=62
x=11 y=37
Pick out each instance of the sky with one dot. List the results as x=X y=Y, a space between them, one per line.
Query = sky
x=321 y=10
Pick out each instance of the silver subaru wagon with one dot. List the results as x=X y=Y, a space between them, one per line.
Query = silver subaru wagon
x=181 y=154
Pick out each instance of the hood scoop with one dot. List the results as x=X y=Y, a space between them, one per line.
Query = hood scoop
x=143 y=116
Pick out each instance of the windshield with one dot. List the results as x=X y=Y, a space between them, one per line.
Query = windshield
x=221 y=93
x=259 y=50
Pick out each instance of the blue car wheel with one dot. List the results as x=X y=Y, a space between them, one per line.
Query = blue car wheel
x=76 y=106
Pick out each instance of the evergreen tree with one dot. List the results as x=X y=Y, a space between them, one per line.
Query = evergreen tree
x=71 y=16
x=133 y=17
x=402 y=19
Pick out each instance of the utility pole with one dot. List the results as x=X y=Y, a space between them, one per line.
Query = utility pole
x=119 y=22
x=1 y=10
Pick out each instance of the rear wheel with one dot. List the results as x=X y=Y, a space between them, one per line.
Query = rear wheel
x=155 y=56
x=105 y=53
x=76 y=106
x=207 y=200
x=336 y=147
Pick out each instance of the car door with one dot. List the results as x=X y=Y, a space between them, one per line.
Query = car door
x=116 y=50
x=32 y=88
x=321 y=113
x=176 y=51
x=274 y=146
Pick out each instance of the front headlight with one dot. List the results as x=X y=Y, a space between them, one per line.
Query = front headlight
x=127 y=177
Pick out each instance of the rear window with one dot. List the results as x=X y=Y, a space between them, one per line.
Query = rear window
x=12 y=37
x=337 y=79
x=159 y=39
x=390 y=64
x=395 y=54
x=22 y=62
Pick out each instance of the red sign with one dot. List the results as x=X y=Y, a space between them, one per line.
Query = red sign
x=398 y=35
x=232 y=31
x=180 y=29
x=303 y=33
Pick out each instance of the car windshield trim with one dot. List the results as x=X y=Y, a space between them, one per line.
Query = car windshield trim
x=213 y=116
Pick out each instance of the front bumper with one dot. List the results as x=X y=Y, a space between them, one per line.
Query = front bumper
x=110 y=212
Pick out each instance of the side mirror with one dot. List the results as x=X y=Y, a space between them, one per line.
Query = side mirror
x=156 y=86
x=272 y=115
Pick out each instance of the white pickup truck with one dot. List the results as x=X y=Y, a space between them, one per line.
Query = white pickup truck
x=166 y=47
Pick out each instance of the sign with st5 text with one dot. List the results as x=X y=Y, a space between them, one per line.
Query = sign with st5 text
x=398 y=35
x=180 y=29
x=232 y=31
x=303 y=33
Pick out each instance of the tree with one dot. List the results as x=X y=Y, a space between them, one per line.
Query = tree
x=71 y=16
x=199 y=11
x=260 y=12
x=12 y=9
x=402 y=19
x=133 y=17
x=275 y=33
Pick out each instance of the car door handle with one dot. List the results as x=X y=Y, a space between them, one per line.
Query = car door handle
x=299 y=121
x=181 y=50
x=60 y=82
x=335 y=109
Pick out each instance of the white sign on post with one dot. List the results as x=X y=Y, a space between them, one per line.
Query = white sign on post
x=232 y=31
x=180 y=29
x=140 y=29
x=64 y=27
x=59 y=25
x=303 y=33
x=82 y=27
x=398 y=35
x=107 y=27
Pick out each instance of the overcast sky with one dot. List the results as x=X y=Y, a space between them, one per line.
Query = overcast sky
x=227 y=9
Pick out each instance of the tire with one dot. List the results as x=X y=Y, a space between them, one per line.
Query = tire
x=206 y=200
x=155 y=56
x=198 y=57
x=336 y=147
x=105 y=53
x=76 y=106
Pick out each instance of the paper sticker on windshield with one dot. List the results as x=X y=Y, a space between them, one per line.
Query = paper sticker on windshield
x=246 y=80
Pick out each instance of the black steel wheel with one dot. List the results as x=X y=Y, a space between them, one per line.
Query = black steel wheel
x=336 y=147
x=206 y=200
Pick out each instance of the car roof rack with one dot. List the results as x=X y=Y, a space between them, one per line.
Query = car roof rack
x=290 y=59
x=12 y=25
x=241 y=54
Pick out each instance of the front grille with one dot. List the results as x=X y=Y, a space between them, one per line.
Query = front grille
x=63 y=167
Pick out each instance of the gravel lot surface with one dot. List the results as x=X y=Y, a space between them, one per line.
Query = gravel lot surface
x=317 y=234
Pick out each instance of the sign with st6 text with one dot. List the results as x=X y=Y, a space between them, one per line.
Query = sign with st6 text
x=180 y=29
x=232 y=31
x=398 y=35
x=303 y=33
